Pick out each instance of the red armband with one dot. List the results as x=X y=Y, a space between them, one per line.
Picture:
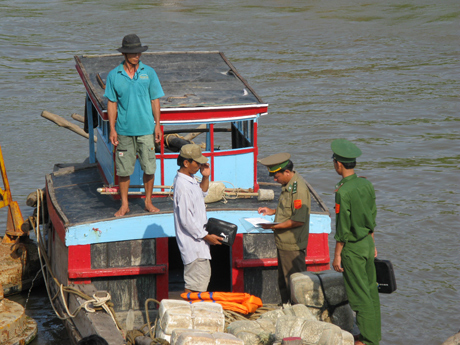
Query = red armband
x=297 y=204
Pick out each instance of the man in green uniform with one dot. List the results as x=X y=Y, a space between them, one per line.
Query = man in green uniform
x=355 y=248
x=293 y=218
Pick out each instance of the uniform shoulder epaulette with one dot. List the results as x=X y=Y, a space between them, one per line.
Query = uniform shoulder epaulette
x=337 y=187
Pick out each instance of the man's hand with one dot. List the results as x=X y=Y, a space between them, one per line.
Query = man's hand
x=205 y=170
x=157 y=133
x=337 y=264
x=113 y=137
x=265 y=211
x=266 y=226
x=213 y=239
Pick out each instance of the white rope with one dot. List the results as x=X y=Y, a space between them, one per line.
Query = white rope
x=38 y=234
x=97 y=301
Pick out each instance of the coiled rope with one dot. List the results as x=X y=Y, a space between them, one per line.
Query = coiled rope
x=91 y=304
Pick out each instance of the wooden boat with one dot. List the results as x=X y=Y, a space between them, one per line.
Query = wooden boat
x=135 y=257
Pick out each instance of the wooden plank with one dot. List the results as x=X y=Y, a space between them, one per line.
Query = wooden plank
x=120 y=289
x=263 y=283
x=259 y=246
x=143 y=252
x=142 y=287
x=100 y=322
x=119 y=254
x=99 y=255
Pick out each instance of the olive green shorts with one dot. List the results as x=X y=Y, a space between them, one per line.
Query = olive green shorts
x=129 y=147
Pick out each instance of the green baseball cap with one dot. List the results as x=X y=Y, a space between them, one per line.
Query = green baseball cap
x=345 y=151
x=275 y=162
x=193 y=151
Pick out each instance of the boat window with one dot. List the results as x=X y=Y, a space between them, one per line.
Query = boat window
x=177 y=135
x=242 y=134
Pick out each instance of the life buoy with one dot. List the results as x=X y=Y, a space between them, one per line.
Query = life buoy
x=240 y=302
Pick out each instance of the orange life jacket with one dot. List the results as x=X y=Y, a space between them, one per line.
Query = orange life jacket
x=240 y=302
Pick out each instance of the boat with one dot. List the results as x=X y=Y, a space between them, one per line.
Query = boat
x=135 y=258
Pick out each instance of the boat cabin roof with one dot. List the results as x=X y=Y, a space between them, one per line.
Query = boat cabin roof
x=190 y=80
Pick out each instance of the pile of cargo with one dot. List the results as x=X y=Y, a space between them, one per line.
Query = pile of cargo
x=321 y=316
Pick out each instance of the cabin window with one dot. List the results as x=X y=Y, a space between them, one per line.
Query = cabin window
x=242 y=134
x=177 y=135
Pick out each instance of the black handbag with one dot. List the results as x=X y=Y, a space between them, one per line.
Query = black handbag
x=385 y=276
x=223 y=229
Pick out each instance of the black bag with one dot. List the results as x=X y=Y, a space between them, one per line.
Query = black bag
x=223 y=229
x=385 y=276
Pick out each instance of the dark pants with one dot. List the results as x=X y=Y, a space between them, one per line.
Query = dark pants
x=289 y=262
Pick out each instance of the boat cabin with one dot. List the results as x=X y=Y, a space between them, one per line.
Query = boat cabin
x=201 y=89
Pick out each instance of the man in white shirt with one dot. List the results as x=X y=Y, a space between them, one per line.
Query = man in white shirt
x=190 y=218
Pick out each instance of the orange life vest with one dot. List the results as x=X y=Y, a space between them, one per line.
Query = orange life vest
x=240 y=302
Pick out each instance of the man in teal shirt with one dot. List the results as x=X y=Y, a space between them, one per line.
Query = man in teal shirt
x=133 y=91
x=355 y=250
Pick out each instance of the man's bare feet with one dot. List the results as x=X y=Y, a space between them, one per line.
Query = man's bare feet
x=122 y=211
x=150 y=208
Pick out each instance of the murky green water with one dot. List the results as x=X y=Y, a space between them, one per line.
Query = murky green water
x=383 y=74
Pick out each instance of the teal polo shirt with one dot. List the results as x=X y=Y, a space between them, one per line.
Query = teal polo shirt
x=133 y=98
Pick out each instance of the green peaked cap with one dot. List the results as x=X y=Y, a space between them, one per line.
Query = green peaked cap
x=345 y=151
x=275 y=162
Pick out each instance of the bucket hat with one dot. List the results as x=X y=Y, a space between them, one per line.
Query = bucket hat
x=131 y=44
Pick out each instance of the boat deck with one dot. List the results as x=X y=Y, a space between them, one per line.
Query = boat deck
x=74 y=189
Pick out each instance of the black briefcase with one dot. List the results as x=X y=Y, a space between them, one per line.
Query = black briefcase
x=223 y=229
x=385 y=276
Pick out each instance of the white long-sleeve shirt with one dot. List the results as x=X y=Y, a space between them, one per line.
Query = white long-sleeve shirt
x=190 y=218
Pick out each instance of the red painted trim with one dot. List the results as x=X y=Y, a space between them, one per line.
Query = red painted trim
x=161 y=258
x=216 y=114
x=57 y=222
x=273 y=262
x=209 y=154
x=211 y=140
x=162 y=151
x=116 y=272
x=181 y=115
x=79 y=258
x=237 y=272
x=256 y=153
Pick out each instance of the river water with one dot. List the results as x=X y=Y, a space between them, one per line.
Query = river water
x=384 y=74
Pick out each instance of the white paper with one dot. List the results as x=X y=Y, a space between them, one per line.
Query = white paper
x=257 y=221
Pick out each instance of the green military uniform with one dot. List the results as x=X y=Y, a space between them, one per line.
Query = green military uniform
x=355 y=220
x=295 y=204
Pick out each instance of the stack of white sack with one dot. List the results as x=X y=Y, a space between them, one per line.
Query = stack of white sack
x=174 y=314
x=196 y=337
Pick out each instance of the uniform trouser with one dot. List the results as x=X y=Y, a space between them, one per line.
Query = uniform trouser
x=361 y=286
x=289 y=262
